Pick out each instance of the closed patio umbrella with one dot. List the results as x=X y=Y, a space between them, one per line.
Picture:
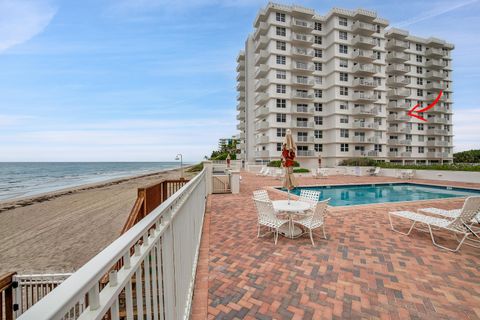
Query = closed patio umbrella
x=288 y=159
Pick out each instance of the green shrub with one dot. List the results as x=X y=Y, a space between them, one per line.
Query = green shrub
x=362 y=162
x=278 y=164
x=471 y=156
x=300 y=170
x=366 y=162
x=196 y=168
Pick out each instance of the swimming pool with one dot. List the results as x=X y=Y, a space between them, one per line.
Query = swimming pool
x=348 y=195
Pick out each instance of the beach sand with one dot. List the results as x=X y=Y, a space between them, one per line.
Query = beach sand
x=60 y=231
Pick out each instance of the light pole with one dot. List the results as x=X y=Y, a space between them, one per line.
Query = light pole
x=180 y=157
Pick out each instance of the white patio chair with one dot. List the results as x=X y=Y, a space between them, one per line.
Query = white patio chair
x=320 y=173
x=267 y=172
x=266 y=217
x=262 y=171
x=261 y=195
x=375 y=172
x=315 y=219
x=459 y=225
x=310 y=196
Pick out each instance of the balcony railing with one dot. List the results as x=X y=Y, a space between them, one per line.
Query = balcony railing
x=363 y=55
x=363 y=42
x=398 y=68
x=362 y=111
x=303 y=66
x=262 y=154
x=435 y=86
x=398 y=93
x=434 y=63
x=158 y=255
x=365 y=125
x=301 y=95
x=397 y=57
x=366 y=83
x=360 y=96
x=434 y=52
x=363 y=28
x=302 y=52
x=300 y=37
x=435 y=75
x=398 y=81
x=263 y=125
x=366 y=68
x=304 y=124
x=301 y=24
x=305 y=153
x=396 y=44
x=399 y=104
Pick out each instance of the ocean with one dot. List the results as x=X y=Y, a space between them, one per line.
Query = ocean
x=23 y=179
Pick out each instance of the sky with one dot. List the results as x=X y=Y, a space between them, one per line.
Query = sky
x=143 y=80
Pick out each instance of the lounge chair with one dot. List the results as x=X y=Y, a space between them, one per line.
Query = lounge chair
x=375 y=172
x=267 y=217
x=320 y=173
x=267 y=172
x=310 y=196
x=262 y=171
x=261 y=195
x=406 y=174
x=459 y=225
x=315 y=219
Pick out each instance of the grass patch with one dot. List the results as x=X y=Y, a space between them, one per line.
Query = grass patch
x=300 y=170
x=196 y=168
x=367 y=162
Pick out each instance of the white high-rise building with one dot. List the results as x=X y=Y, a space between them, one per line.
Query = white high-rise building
x=344 y=84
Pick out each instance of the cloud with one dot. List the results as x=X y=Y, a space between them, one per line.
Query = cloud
x=21 y=20
x=438 y=11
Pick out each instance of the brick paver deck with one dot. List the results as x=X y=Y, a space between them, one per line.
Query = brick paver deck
x=364 y=270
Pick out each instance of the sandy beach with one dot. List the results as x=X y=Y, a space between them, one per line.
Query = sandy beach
x=60 y=231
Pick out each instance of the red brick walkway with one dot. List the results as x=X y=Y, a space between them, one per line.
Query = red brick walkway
x=364 y=270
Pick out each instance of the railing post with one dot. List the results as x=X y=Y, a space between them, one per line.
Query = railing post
x=235 y=181
x=208 y=166
x=168 y=255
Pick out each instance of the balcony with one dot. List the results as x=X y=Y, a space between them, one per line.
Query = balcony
x=398 y=93
x=363 y=55
x=373 y=153
x=438 y=120
x=364 y=83
x=241 y=75
x=263 y=125
x=397 y=57
x=437 y=132
x=307 y=139
x=359 y=139
x=303 y=124
x=301 y=95
x=393 y=154
x=437 y=154
x=397 y=81
x=262 y=154
x=365 y=125
x=440 y=109
x=302 y=67
x=394 y=129
x=241 y=126
x=262 y=29
x=435 y=75
x=261 y=97
x=303 y=82
x=301 y=38
x=405 y=154
x=363 y=42
x=302 y=52
x=435 y=86
x=240 y=65
x=362 y=111
x=363 y=28
x=433 y=96
x=242 y=135
x=241 y=106
x=364 y=97
x=374 y=140
x=437 y=143
x=301 y=24
x=305 y=153
x=398 y=69
x=396 y=44
x=262 y=112
x=262 y=70
x=261 y=43
x=263 y=140
x=435 y=64
x=303 y=110
x=241 y=96
x=399 y=104
x=261 y=57
x=241 y=115
x=434 y=53
x=365 y=68
x=261 y=84
x=241 y=85
x=397 y=118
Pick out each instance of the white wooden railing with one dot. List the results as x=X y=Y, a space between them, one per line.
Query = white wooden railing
x=151 y=266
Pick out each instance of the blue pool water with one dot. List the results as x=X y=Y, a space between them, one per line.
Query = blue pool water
x=348 y=195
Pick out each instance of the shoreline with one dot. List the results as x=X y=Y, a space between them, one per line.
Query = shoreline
x=9 y=204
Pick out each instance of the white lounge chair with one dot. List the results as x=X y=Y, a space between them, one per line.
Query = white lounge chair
x=310 y=196
x=262 y=171
x=406 y=174
x=459 y=225
x=261 y=195
x=267 y=172
x=267 y=217
x=375 y=172
x=315 y=219
x=320 y=173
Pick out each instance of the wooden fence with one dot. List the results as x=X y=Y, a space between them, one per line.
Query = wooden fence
x=6 y=296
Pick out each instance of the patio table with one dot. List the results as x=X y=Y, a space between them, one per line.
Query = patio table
x=290 y=208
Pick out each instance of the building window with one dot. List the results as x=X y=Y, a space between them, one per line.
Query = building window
x=281 y=45
x=378 y=54
x=281 y=88
x=379 y=29
x=418 y=47
x=344 y=133
x=318 y=147
x=421 y=138
x=378 y=81
x=318 y=107
x=281 y=103
x=378 y=147
x=281 y=117
x=344 y=119
x=281 y=74
x=421 y=149
x=408 y=148
x=342 y=21
x=408 y=137
x=318 y=66
x=343 y=63
x=318 y=93
x=318 y=134
x=419 y=58
x=281 y=132
x=280 y=17
x=420 y=126
x=420 y=92
x=420 y=81
x=302 y=136
x=279 y=146
x=281 y=31
x=343 y=106
x=419 y=70
x=344 y=147
x=281 y=60
x=318 y=79
x=318 y=26
x=318 y=53
x=342 y=48
x=343 y=76
x=318 y=120
x=343 y=35
x=344 y=91
x=318 y=40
